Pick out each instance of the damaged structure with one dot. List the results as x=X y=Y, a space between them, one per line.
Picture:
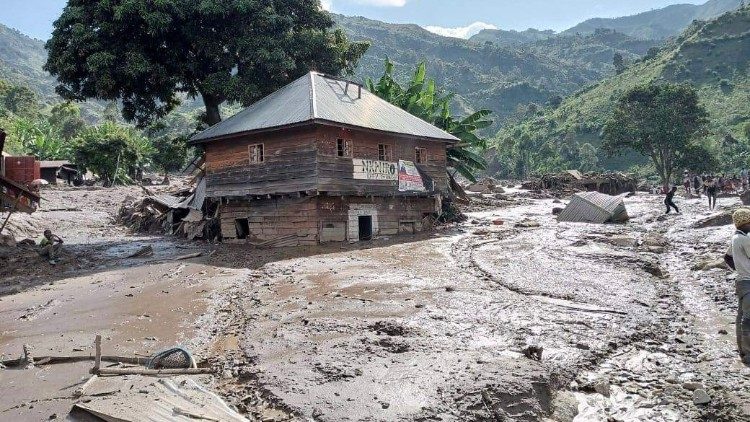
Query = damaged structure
x=575 y=181
x=595 y=207
x=324 y=160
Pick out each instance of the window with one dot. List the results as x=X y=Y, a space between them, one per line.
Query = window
x=256 y=153
x=420 y=155
x=384 y=152
x=343 y=147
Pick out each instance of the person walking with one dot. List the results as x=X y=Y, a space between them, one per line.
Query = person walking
x=712 y=191
x=669 y=201
x=697 y=185
x=738 y=258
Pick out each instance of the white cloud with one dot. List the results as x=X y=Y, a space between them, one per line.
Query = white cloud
x=464 y=32
x=328 y=4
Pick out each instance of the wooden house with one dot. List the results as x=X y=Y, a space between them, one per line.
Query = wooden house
x=324 y=160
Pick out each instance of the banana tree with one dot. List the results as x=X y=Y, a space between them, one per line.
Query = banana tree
x=421 y=98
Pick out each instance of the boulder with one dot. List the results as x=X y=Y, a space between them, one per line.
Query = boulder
x=528 y=223
x=710 y=264
x=716 y=220
x=7 y=241
x=701 y=397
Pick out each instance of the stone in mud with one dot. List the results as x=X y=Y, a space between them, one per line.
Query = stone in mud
x=655 y=240
x=710 y=264
x=623 y=241
x=527 y=223
x=557 y=210
x=716 y=220
x=602 y=387
x=653 y=268
x=701 y=397
x=692 y=386
x=564 y=407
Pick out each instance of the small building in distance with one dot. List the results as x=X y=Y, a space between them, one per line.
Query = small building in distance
x=57 y=169
x=324 y=160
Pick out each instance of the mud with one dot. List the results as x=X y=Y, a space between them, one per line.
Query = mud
x=437 y=326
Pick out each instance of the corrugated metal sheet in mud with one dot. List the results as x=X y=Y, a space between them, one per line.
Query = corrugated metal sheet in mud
x=137 y=398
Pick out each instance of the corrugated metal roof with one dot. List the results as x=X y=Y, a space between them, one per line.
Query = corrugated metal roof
x=53 y=163
x=594 y=207
x=319 y=98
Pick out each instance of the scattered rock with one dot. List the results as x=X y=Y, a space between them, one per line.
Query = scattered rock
x=602 y=386
x=716 y=220
x=723 y=332
x=692 y=386
x=564 y=407
x=528 y=223
x=701 y=397
x=710 y=264
x=557 y=210
x=533 y=352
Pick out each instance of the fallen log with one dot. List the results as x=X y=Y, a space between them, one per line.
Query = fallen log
x=52 y=360
x=189 y=256
x=82 y=389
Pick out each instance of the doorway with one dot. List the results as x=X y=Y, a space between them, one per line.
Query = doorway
x=243 y=228
x=365 y=227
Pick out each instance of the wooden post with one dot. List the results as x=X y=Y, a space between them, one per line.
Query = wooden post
x=98 y=357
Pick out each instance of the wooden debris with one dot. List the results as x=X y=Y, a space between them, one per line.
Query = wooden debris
x=82 y=389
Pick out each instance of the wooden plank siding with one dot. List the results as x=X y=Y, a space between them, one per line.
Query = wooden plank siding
x=305 y=160
x=289 y=165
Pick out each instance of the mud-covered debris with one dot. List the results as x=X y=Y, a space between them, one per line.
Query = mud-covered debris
x=564 y=407
x=533 y=352
x=528 y=223
x=389 y=328
x=144 y=251
x=716 y=220
x=498 y=222
x=710 y=264
x=393 y=346
x=654 y=269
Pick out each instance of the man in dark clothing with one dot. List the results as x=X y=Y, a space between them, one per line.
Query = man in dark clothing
x=669 y=201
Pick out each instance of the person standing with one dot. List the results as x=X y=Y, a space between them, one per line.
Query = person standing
x=669 y=201
x=738 y=258
x=744 y=176
x=697 y=185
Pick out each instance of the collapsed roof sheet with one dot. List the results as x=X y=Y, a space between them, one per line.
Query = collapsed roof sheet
x=139 y=398
x=595 y=207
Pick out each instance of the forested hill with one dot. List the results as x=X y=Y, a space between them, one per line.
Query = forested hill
x=713 y=56
x=21 y=61
x=660 y=23
x=492 y=75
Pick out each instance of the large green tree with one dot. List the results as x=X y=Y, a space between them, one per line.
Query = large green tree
x=421 y=98
x=149 y=54
x=660 y=121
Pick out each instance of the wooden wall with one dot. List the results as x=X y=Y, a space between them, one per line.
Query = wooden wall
x=305 y=160
x=274 y=218
x=289 y=166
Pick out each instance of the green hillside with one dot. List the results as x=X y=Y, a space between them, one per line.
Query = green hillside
x=21 y=61
x=660 y=23
x=512 y=38
x=483 y=75
x=713 y=56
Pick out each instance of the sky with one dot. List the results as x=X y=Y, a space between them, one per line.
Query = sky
x=461 y=18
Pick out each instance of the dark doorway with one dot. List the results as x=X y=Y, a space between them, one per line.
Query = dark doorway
x=243 y=228
x=365 y=227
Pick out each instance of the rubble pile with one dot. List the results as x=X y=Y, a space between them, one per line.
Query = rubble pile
x=184 y=213
x=573 y=181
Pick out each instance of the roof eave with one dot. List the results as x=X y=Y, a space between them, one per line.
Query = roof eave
x=321 y=122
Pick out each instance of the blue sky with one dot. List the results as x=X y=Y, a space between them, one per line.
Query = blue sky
x=35 y=17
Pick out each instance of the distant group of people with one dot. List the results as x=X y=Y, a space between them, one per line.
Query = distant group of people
x=709 y=185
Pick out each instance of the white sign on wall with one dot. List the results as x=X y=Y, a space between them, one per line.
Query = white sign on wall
x=375 y=170
x=409 y=179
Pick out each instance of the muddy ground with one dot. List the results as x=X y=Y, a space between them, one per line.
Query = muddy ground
x=431 y=327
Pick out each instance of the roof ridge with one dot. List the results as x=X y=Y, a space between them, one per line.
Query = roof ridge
x=313 y=99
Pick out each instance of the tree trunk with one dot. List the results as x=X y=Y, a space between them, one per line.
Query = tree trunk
x=212 y=102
